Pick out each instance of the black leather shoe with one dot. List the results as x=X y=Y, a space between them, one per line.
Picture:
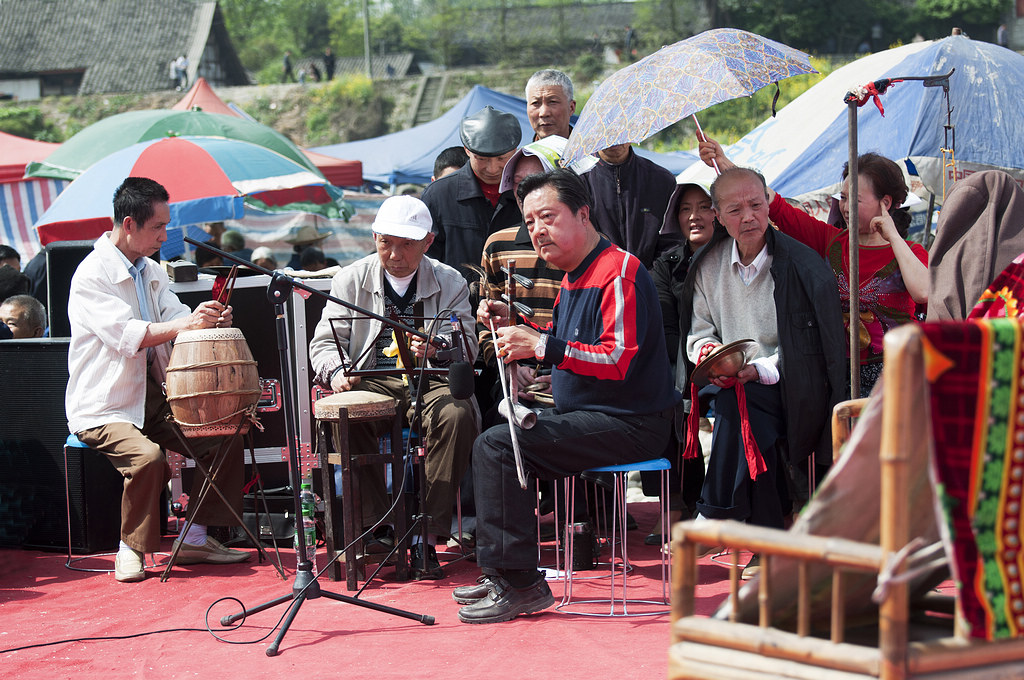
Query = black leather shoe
x=382 y=541
x=504 y=603
x=432 y=571
x=476 y=592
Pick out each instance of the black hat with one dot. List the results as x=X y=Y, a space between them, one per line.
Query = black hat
x=490 y=132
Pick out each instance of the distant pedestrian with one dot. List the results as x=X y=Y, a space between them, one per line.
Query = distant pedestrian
x=286 y=68
x=328 y=63
x=630 y=43
x=1003 y=36
x=181 y=73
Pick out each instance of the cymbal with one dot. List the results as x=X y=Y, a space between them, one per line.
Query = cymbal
x=725 y=361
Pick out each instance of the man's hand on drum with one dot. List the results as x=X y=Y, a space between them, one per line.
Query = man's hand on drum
x=343 y=383
x=209 y=314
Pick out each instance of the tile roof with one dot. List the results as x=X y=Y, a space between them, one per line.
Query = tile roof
x=120 y=45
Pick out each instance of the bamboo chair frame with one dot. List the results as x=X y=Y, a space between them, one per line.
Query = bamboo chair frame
x=902 y=648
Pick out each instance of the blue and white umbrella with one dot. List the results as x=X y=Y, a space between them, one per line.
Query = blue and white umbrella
x=802 y=151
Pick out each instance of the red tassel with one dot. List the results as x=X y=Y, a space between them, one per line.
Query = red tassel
x=755 y=461
x=692 y=449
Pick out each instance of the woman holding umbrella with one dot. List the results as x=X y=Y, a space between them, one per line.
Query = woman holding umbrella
x=893 y=272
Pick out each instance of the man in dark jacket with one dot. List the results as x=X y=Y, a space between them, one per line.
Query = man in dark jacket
x=630 y=194
x=751 y=281
x=467 y=206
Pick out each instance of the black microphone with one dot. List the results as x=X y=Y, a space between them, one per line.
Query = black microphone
x=460 y=374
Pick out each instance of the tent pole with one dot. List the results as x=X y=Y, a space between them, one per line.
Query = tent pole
x=928 y=222
x=854 y=276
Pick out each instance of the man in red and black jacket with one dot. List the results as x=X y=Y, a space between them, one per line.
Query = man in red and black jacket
x=610 y=381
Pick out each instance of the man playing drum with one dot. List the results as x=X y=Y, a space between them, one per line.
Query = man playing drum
x=123 y=319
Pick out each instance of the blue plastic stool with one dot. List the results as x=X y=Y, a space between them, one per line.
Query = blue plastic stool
x=618 y=605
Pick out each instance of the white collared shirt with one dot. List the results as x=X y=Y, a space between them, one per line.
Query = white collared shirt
x=107 y=381
x=748 y=272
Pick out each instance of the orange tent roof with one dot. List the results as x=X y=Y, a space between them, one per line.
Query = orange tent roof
x=341 y=173
x=17 y=152
x=202 y=96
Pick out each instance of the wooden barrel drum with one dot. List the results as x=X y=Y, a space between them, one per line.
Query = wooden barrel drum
x=212 y=382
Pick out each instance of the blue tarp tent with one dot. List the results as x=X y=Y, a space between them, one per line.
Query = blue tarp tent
x=408 y=156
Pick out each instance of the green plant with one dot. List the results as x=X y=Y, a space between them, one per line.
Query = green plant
x=28 y=122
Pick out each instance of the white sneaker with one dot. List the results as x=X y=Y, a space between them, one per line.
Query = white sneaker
x=128 y=566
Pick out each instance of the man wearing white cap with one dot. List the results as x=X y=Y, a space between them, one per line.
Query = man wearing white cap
x=400 y=278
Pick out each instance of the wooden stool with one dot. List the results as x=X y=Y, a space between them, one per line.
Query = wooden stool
x=339 y=411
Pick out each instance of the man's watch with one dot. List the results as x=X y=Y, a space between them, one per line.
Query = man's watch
x=538 y=349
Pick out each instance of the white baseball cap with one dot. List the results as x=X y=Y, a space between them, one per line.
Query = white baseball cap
x=404 y=217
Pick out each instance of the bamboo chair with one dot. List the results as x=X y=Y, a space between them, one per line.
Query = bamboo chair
x=809 y=615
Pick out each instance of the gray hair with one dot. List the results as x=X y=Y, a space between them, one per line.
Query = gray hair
x=32 y=310
x=550 y=76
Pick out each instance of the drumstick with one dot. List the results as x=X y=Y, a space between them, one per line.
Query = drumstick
x=229 y=285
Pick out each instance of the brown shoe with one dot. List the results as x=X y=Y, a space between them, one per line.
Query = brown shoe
x=752 y=569
x=210 y=552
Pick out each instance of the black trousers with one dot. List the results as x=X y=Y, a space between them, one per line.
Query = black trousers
x=728 y=491
x=559 y=445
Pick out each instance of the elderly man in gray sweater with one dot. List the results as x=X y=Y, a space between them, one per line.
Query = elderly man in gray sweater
x=752 y=282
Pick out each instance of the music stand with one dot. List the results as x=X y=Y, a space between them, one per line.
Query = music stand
x=306 y=585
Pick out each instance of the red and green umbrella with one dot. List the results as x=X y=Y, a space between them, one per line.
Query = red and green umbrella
x=207 y=179
x=103 y=138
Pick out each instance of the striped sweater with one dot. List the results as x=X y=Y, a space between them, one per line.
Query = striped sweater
x=606 y=341
x=514 y=243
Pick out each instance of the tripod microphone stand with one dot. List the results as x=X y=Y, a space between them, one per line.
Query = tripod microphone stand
x=306 y=585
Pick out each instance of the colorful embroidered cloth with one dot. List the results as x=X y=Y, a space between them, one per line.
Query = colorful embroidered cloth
x=976 y=375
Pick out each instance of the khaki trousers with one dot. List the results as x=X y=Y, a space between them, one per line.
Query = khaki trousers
x=450 y=429
x=139 y=456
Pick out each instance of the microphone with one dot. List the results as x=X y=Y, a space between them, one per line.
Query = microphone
x=460 y=374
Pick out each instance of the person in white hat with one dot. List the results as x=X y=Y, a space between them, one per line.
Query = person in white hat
x=399 y=278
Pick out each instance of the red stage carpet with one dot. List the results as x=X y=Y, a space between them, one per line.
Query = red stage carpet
x=41 y=601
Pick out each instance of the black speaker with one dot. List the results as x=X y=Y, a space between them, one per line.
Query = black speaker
x=62 y=259
x=94 y=494
x=33 y=507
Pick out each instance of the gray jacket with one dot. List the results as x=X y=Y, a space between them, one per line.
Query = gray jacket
x=438 y=287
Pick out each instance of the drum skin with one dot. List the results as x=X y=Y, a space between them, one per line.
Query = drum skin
x=212 y=382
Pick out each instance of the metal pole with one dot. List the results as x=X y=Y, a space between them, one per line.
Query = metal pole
x=854 y=275
x=366 y=39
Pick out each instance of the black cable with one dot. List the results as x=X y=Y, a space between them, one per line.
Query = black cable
x=407 y=464
x=105 y=637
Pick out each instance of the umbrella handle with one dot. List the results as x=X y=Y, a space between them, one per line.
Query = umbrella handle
x=703 y=138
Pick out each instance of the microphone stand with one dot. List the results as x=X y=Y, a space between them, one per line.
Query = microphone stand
x=306 y=585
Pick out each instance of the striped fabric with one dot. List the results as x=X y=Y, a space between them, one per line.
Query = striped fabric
x=975 y=370
x=21 y=204
x=513 y=243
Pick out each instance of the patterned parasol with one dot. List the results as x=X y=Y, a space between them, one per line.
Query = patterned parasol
x=678 y=81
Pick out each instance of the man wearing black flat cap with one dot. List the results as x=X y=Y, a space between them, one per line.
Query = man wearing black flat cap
x=467 y=206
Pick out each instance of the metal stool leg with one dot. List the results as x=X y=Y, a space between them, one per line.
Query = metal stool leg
x=619 y=565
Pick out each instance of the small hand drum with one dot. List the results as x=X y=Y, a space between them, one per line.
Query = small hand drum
x=725 y=361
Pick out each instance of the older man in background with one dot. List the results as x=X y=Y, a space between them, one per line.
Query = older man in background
x=549 y=103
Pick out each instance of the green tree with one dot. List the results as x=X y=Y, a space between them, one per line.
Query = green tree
x=977 y=17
